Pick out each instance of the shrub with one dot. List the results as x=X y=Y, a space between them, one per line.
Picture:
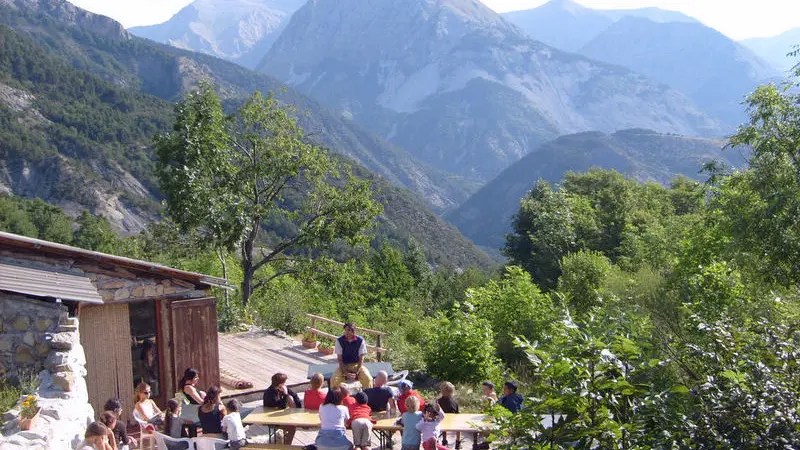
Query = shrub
x=460 y=348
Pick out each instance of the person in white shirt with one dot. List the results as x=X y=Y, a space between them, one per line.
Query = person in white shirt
x=232 y=425
x=332 y=419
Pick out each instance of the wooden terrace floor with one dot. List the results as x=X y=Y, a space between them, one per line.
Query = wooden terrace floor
x=256 y=355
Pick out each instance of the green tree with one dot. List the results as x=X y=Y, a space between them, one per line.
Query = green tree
x=583 y=274
x=460 y=347
x=514 y=306
x=543 y=233
x=227 y=176
x=50 y=221
x=95 y=233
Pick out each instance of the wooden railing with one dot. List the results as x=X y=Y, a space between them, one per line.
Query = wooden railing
x=378 y=334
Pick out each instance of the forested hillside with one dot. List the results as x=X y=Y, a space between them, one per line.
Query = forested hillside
x=102 y=47
x=640 y=154
x=81 y=142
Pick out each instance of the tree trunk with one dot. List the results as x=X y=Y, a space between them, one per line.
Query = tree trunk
x=248 y=272
x=221 y=256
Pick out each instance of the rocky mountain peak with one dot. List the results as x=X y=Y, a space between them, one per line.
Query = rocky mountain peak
x=68 y=13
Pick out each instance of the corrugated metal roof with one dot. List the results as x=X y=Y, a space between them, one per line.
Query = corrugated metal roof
x=46 y=283
x=37 y=245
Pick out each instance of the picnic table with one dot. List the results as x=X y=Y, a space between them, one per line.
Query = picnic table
x=384 y=427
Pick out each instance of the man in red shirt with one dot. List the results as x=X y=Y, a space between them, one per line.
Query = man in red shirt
x=406 y=391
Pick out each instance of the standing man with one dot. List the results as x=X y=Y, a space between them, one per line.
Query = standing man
x=350 y=351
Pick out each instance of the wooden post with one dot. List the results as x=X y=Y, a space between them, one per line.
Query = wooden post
x=378 y=344
x=313 y=324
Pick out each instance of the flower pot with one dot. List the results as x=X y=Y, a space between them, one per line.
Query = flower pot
x=326 y=350
x=26 y=424
x=309 y=344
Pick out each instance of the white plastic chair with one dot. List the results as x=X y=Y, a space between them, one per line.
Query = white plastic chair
x=207 y=443
x=146 y=438
x=164 y=442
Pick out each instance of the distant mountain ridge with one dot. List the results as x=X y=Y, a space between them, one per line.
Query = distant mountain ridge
x=567 y=25
x=459 y=87
x=80 y=100
x=776 y=48
x=716 y=75
x=641 y=154
x=237 y=30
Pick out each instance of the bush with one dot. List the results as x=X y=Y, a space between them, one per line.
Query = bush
x=460 y=348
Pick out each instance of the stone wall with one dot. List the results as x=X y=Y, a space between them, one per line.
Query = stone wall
x=24 y=325
x=62 y=394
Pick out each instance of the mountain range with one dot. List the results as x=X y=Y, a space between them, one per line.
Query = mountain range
x=237 y=30
x=566 y=25
x=641 y=154
x=461 y=88
x=775 y=49
x=80 y=99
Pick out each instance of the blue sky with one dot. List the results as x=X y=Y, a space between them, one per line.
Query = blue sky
x=738 y=19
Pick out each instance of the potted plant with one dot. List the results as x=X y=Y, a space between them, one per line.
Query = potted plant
x=325 y=347
x=309 y=340
x=29 y=412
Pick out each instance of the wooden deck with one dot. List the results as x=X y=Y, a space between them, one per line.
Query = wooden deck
x=256 y=355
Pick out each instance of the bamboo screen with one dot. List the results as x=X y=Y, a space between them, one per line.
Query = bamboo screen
x=106 y=339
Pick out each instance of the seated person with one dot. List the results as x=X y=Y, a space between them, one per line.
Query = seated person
x=233 y=427
x=95 y=438
x=510 y=399
x=279 y=396
x=188 y=385
x=405 y=392
x=489 y=395
x=332 y=419
x=449 y=405
x=350 y=350
x=381 y=397
x=212 y=411
x=314 y=397
x=110 y=421
x=120 y=431
x=146 y=408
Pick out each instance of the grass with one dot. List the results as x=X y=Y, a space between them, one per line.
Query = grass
x=9 y=395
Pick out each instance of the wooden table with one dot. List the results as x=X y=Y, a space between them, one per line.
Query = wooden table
x=384 y=426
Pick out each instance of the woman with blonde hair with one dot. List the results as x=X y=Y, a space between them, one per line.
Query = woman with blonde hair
x=146 y=408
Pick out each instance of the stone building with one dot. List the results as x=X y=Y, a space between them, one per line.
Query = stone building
x=93 y=325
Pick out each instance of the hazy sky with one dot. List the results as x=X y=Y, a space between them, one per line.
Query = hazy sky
x=738 y=19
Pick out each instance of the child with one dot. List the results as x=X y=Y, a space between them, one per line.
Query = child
x=449 y=406
x=145 y=407
x=95 y=438
x=332 y=419
x=109 y=419
x=429 y=427
x=314 y=397
x=510 y=399
x=173 y=424
x=360 y=421
x=489 y=395
x=232 y=424
x=347 y=399
x=411 y=438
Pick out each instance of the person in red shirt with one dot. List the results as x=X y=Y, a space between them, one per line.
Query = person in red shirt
x=347 y=399
x=360 y=421
x=406 y=391
x=314 y=397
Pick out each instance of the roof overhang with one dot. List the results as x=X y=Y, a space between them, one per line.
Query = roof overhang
x=39 y=282
x=25 y=243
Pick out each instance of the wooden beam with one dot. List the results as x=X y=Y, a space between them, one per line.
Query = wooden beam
x=336 y=322
x=378 y=350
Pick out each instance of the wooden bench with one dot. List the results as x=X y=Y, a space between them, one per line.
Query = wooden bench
x=374 y=367
x=377 y=348
x=251 y=445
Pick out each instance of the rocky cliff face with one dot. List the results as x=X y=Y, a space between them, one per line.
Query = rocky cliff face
x=715 y=75
x=460 y=87
x=237 y=30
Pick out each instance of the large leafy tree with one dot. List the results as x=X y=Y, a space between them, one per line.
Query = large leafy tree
x=227 y=176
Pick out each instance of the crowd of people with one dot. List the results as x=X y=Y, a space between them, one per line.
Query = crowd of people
x=354 y=396
x=214 y=418
x=350 y=402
